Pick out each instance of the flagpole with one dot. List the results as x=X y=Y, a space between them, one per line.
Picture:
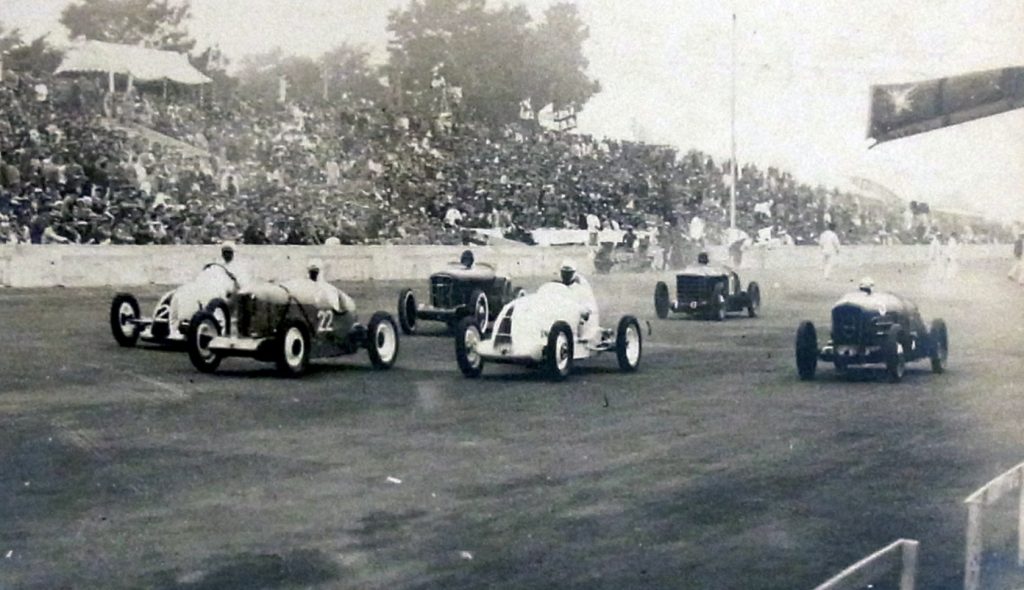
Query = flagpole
x=732 y=173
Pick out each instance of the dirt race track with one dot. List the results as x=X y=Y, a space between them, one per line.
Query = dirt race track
x=712 y=467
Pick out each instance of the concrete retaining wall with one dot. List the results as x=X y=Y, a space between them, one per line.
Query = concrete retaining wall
x=96 y=266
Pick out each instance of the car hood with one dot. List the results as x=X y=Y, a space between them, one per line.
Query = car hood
x=704 y=271
x=878 y=301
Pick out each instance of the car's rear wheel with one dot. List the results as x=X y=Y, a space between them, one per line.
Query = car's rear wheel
x=661 y=300
x=895 y=356
x=407 y=311
x=628 y=344
x=481 y=310
x=124 y=310
x=718 y=303
x=292 y=348
x=753 y=299
x=806 y=351
x=222 y=313
x=202 y=329
x=382 y=340
x=467 y=338
x=940 y=346
x=558 y=355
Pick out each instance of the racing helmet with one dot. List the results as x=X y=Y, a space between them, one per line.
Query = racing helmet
x=227 y=250
x=568 y=271
x=313 y=269
x=702 y=258
x=867 y=284
x=467 y=259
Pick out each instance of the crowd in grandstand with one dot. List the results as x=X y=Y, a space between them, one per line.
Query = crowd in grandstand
x=81 y=165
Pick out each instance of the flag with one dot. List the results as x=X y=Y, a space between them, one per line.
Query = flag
x=900 y=110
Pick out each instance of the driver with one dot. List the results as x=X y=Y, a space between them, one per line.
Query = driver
x=327 y=297
x=702 y=259
x=235 y=269
x=867 y=285
x=580 y=291
x=467 y=259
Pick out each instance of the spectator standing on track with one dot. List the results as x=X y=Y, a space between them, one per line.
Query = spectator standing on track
x=936 y=260
x=829 y=242
x=952 y=256
x=1017 y=270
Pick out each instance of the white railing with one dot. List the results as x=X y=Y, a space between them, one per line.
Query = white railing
x=899 y=556
x=986 y=496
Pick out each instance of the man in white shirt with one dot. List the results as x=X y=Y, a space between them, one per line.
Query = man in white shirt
x=952 y=255
x=829 y=243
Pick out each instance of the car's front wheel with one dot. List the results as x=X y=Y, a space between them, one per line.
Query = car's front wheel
x=202 y=329
x=124 y=310
x=467 y=338
x=895 y=356
x=222 y=313
x=382 y=340
x=628 y=344
x=558 y=355
x=407 y=311
x=940 y=346
x=806 y=351
x=481 y=310
x=753 y=299
x=661 y=300
x=718 y=303
x=292 y=348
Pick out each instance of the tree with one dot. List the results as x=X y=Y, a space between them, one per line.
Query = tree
x=347 y=70
x=9 y=39
x=36 y=56
x=560 y=68
x=160 y=24
x=495 y=56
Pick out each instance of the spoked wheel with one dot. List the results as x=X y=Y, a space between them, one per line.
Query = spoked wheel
x=661 y=302
x=940 y=346
x=558 y=355
x=895 y=357
x=382 y=340
x=202 y=329
x=628 y=344
x=467 y=338
x=806 y=351
x=754 y=299
x=407 y=311
x=124 y=310
x=292 y=348
x=481 y=312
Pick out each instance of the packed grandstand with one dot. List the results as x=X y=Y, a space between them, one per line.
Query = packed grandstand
x=79 y=164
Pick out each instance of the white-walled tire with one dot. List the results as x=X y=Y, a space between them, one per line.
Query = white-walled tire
x=292 y=348
x=407 y=311
x=203 y=328
x=382 y=340
x=628 y=344
x=467 y=337
x=558 y=355
x=124 y=309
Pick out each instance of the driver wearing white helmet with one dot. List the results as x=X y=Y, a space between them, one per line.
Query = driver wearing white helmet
x=238 y=270
x=327 y=296
x=579 y=289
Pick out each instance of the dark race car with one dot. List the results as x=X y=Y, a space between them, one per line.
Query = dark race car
x=621 y=258
x=707 y=291
x=288 y=324
x=459 y=292
x=873 y=328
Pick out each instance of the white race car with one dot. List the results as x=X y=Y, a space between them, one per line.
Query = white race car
x=212 y=288
x=543 y=330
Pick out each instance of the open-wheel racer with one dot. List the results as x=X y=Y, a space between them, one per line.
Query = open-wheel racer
x=464 y=289
x=870 y=327
x=210 y=290
x=551 y=329
x=289 y=324
x=707 y=291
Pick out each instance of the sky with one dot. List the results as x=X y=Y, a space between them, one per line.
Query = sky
x=804 y=68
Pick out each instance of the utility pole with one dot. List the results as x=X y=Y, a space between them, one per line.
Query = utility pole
x=733 y=166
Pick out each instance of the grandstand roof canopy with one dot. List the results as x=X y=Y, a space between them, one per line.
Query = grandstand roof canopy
x=139 y=62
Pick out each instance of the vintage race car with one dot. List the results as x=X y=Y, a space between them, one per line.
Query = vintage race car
x=210 y=290
x=707 y=291
x=619 y=258
x=870 y=328
x=288 y=324
x=543 y=330
x=459 y=292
